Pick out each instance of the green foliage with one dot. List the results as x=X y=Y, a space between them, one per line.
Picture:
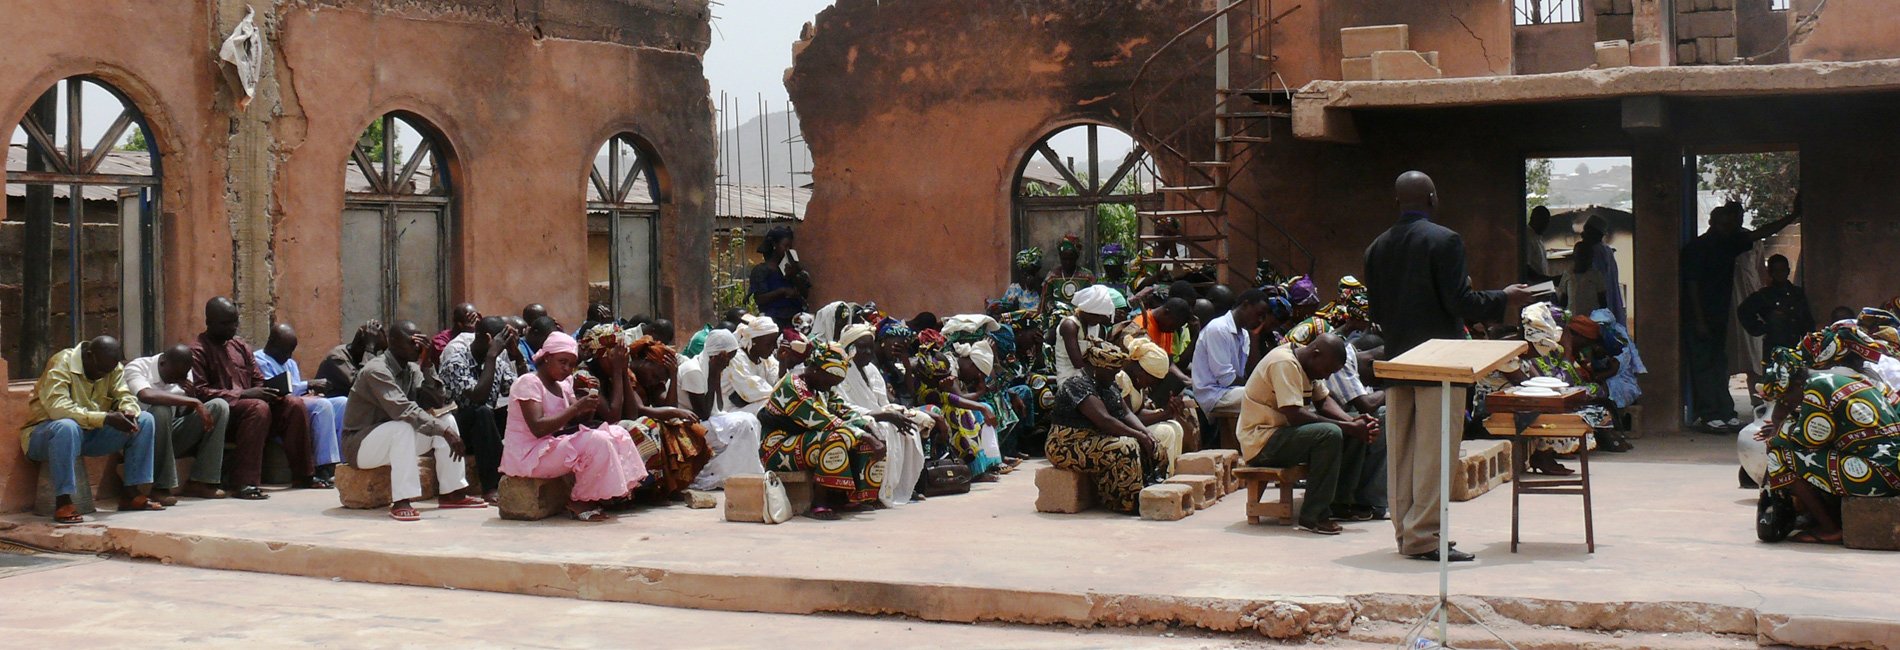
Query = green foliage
x=1114 y=222
x=730 y=272
x=372 y=142
x=1764 y=183
x=1536 y=182
x=135 y=141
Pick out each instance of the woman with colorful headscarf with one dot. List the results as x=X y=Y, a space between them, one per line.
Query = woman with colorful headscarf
x=1114 y=260
x=1092 y=431
x=549 y=437
x=1068 y=277
x=810 y=428
x=1025 y=288
x=975 y=410
x=1830 y=435
x=902 y=429
x=1146 y=366
x=652 y=408
x=732 y=436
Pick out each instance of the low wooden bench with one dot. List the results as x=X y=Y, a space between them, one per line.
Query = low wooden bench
x=1547 y=425
x=1256 y=479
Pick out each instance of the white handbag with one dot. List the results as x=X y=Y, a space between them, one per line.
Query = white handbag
x=778 y=506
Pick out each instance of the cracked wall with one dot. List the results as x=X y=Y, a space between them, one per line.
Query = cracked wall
x=525 y=91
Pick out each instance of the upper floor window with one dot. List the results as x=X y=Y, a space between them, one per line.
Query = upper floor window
x=1545 y=12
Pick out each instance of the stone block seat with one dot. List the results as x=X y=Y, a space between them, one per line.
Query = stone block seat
x=1167 y=502
x=534 y=499
x=745 y=495
x=365 y=489
x=1871 y=524
x=1482 y=466
x=1206 y=487
x=1257 y=479
x=1063 y=491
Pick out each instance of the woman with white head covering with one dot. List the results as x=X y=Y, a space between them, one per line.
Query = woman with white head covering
x=970 y=409
x=748 y=381
x=733 y=435
x=1147 y=365
x=1094 y=312
x=902 y=429
x=830 y=320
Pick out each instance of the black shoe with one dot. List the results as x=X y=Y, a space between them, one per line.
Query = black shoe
x=1748 y=482
x=1455 y=556
x=1358 y=513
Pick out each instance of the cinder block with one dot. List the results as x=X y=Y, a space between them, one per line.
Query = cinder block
x=362 y=489
x=1363 y=41
x=1431 y=58
x=1685 y=53
x=745 y=498
x=1063 y=491
x=1708 y=24
x=1230 y=461
x=701 y=500
x=534 y=499
x=46 y=501
x=1200 y=462
x=798 y=488
x=1613 y=54
x=1207 y=488
x=1167 y=502
x=1357 y=68
x=1871 y=524
x=1482 y=465
x=1402 y=65
x=1650 y=53
x=1705 y=50
x=1725 y=49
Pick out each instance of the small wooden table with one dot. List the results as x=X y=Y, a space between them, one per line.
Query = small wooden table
x=1547 y=425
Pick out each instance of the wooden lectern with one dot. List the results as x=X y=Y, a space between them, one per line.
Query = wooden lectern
x=1447 y=362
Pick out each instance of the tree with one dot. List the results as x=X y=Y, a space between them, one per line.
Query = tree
x=1536 y=182
x=372 y=142
x=1764 y=183
x=135 y=141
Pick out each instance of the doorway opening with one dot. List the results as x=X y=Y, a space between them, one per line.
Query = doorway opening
x=1572 y=203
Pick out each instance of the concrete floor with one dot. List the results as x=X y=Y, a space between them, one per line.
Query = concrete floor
x=1672 y=529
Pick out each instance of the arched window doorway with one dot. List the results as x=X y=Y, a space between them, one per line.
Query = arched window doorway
x=623 y=210
x=78 y=247
x=1086 y=180
x=398 y=226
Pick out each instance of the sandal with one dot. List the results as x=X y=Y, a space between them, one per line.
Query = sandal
x=313 y=483
x=1321 y=528
x=203 y=491
x=405 y=514
x=250 y=493
x=466 y=502
x=165 y=498
x=590 y=515
x=68 y=515
x=140 y=502
x=823 y=513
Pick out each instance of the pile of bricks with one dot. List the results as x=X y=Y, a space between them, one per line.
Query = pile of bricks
x=1200 y=480
x=1384 y=53
x=1705 y=31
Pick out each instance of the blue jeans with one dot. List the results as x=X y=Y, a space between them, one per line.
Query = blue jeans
x=60 y=443
x=326 y=426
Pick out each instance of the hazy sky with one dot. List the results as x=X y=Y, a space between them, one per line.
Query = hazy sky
x=752 y=46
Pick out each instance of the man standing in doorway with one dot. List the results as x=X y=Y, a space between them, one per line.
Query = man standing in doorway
x=1415 y=279
x=1708 y=285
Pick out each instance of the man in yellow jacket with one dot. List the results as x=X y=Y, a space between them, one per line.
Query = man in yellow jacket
x=81 y=407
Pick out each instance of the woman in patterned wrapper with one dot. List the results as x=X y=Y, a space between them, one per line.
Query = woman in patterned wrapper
x=1092 y=432
x=1834 y=433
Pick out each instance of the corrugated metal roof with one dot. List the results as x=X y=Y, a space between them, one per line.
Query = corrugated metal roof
x=117 y=163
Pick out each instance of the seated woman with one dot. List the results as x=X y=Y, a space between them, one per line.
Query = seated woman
x=1831 y=435
x=903 y=430
x=733 y=436
x=1092 y=432
x=809 y=428
x=1147 y=365
x=1549 y=357
x=960 y=391
x=652 y=404
x=549 y=435
x=754 y=372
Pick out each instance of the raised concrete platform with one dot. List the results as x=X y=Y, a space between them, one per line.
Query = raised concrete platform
x=1676 y=553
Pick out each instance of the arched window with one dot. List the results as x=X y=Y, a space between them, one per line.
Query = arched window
x=1086 y=180
x=81 y=155
x=398 y=226
x=623 y=209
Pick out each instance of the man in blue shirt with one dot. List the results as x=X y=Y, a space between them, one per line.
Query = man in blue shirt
x=1224 y=354
x=326 y=413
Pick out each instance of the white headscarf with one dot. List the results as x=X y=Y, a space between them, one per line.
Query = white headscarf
x=853 y=333
x=1095 y=300
x=756 y=326
x=973 y=323
x=980 y=353
x=826 y=321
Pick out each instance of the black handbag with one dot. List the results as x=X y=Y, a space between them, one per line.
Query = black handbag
x=946 y=476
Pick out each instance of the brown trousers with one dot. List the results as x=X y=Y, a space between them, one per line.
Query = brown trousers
x=1414 y=448
x=255 y=421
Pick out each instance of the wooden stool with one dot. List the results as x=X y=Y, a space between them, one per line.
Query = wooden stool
x=1547 y=425
x=1256 y=480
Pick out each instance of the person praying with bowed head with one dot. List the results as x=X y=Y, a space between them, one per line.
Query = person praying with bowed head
x=1417 y=283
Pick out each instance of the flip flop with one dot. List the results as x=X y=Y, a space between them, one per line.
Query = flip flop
x=250 y=493
x=140 y=502
x=68 y=515
x=470 y=503
x=590 y=515
x=405 y=514
x=1322 y=528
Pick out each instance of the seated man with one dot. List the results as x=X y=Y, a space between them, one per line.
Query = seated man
x=326 y=413
x=478 y=372
x=223 y=367
x=340 y=365
x=1287 y=419
x=81 y=407
x=461 y=321
x=184 y=426
x=384 y=425
x=1221 y=358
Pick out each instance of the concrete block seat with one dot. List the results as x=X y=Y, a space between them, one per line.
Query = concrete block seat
x=1206 y=488
x=1482 y=465
x=366 y=489
x=1219 y=463
x=745 y=495
x=1167 y=502
x=1284 y=509
x=534 y=499
x=46 y=501
x=1871 y=524
x=1064 y=491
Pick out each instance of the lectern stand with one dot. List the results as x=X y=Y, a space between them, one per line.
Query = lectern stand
x=1446 y=362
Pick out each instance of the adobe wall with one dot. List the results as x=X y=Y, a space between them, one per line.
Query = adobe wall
x=525 y=93
x=1846 y=30
x=919 y=114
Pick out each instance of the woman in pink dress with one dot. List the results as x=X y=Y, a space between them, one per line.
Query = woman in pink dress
x=548 y=435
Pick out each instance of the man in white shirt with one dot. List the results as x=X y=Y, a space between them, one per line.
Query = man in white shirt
x=185 y=425
x=1221 y=355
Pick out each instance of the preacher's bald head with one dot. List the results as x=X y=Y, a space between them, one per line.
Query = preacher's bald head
x=1416 y=191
